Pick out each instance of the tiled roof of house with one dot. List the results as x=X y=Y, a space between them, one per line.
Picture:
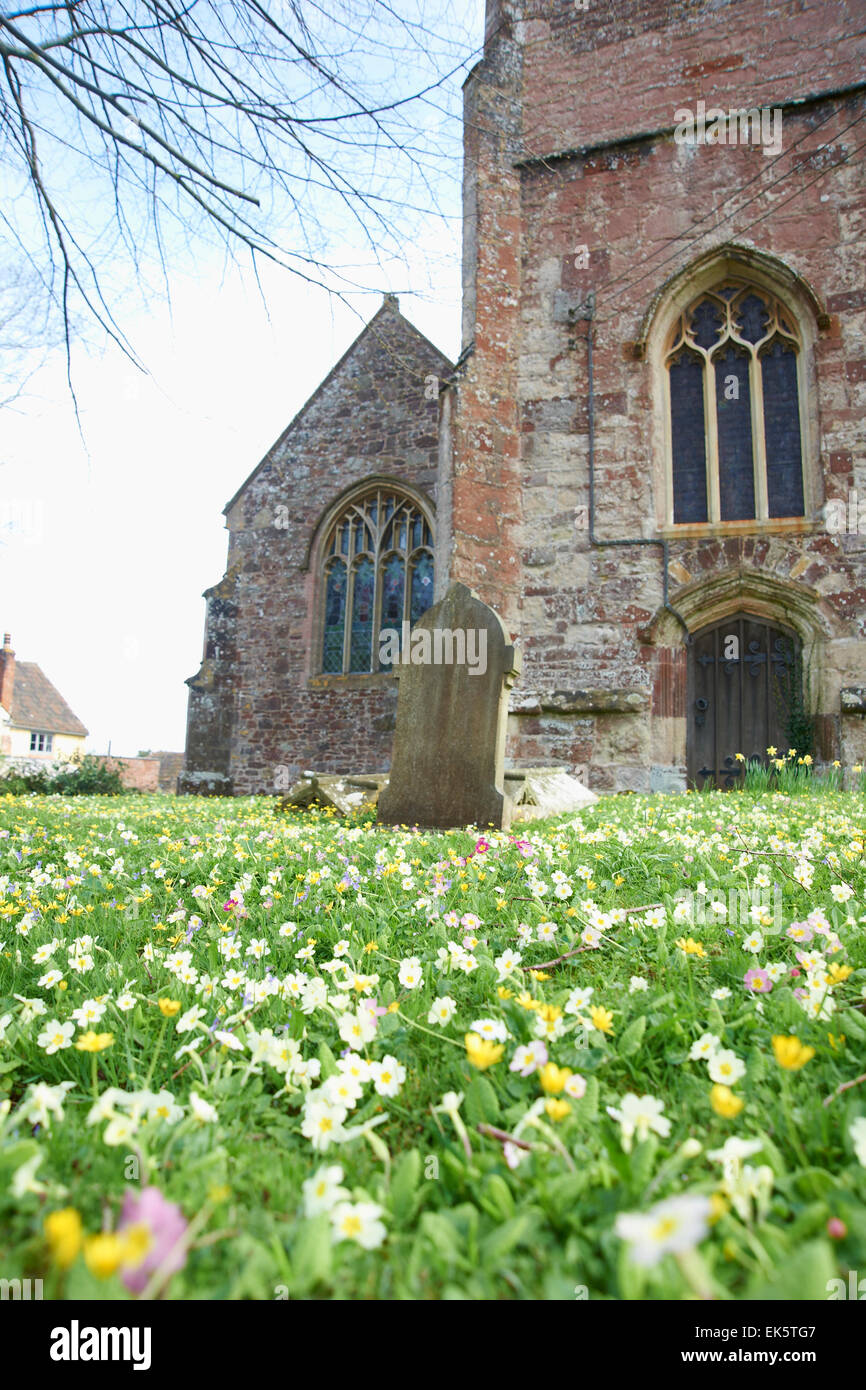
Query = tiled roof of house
x=38 y=706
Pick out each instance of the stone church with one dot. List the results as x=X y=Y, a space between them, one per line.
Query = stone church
x=650 y=457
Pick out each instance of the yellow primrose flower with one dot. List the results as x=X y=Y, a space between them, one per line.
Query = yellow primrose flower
x=94 y=1042
x=790 y=1053
x=481 y=1052
x=63 y=1232
x=553 y=1078
x=169 y=1007
x=104 y=1254
x=557 y=1109
x=602 y=1019
x=724 y=1102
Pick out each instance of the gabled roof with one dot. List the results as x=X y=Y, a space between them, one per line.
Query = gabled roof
x=391 y=307
x=37 y=705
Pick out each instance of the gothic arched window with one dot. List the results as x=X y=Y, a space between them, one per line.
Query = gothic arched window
x=377 y=575
x=735 y=444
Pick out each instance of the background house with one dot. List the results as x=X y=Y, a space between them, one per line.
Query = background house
x=35 y=720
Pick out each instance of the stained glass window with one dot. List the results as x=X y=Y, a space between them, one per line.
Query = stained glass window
x=335 y=616
x=734 y=408
x=378 y=575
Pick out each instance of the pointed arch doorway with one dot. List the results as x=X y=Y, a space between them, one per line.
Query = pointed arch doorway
x=742 y=675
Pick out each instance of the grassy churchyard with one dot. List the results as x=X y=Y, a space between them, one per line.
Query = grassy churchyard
x=251 y=1055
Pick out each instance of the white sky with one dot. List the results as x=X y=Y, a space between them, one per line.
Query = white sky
x=105 y=549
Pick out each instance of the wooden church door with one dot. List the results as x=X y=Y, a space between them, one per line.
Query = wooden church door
x=741 y=675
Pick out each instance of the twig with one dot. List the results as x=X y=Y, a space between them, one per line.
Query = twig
x=493 y=1133
x=846 y=1086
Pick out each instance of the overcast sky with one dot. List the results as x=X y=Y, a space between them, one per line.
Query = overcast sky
x=107 y=544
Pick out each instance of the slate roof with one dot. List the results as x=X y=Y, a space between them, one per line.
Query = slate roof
x=37 y=705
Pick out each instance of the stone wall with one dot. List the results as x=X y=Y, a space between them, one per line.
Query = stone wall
x=136 y=774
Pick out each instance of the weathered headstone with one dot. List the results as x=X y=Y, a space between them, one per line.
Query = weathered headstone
x=449 y=744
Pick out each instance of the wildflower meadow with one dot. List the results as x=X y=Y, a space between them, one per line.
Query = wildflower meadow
x=247 y=1054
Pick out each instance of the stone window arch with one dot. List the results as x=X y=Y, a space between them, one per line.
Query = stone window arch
x=734 y=405
x=376 y=565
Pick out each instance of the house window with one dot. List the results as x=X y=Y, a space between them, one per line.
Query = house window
x=41 y=743
x=377 y=575
x=733 y=375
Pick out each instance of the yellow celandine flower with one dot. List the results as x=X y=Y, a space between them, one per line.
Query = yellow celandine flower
x=505 y=993
x=719 y=1205
x=838 y=973
x=63 y=1231
x=370 y=947
x=137 y=1240
x=740 y=757
x=690 y=947
x=104 y=1254
x=94 y=1042
x=393 y=1008
x=602 y=1019
x=772 y=752
x=526 y=1001
x=837 y=1043
x=219 y=1192
x=549 y=1012
x=790 y=1053
x=482 y=1053
x=619 y=880
x=724 y=1102
x=169 y=1007
x=539 y=975
x=557 y=1109
x=553 y=1078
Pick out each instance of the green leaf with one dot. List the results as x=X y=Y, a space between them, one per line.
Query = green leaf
x=803 y=1277
x=587 y=1106
x=632 y=1038
x=404 y=1181
x=311 y=1254
x=496 y=1198
x=328 y=1061
x=852 y=1023
x=503 y=1240
x=481 y=1105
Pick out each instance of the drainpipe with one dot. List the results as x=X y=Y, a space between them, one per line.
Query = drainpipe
x=586 y=312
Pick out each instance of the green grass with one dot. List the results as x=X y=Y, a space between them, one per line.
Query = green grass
x=447 y=1215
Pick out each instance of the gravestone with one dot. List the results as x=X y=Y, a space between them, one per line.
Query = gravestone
x=456 y=669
